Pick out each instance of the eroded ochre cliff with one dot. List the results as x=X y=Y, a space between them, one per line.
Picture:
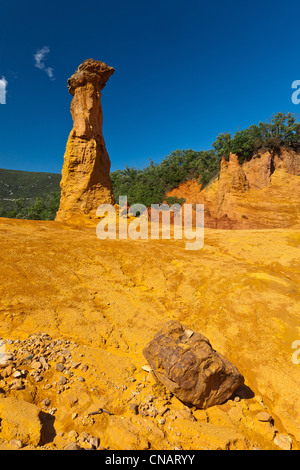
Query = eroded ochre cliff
x=261 y=193
x=85 y=182
x=76 y=313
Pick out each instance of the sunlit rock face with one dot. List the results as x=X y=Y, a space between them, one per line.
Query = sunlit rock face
x=85 y=182
x=261 y=193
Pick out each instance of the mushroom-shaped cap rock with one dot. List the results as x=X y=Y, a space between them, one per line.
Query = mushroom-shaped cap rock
x=90 y=71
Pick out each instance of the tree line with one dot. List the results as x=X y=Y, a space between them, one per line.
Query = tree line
x=41 y=208
x=148 y=186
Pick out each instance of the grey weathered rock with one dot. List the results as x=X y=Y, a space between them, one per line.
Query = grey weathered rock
x=190 y=368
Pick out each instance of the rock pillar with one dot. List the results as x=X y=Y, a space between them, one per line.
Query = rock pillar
x=86 y=182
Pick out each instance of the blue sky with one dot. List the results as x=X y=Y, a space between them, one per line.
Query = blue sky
x=185 y=71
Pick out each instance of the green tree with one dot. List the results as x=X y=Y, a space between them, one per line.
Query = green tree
x=223 y=145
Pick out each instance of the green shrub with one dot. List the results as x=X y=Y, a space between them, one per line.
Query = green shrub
x=39 y=209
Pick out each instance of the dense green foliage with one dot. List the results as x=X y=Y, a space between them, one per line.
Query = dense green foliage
x=148 y=186
x=36 y=195
x=281 y=131
x=29 y=195
x=38 y=209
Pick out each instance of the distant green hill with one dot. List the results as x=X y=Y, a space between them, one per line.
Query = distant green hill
x=15 y=184
x=29 y=195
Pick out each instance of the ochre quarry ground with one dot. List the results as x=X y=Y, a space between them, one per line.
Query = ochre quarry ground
x=104 y=300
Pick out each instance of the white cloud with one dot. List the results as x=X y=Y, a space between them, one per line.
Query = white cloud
x=39 y=61
x=3 y=85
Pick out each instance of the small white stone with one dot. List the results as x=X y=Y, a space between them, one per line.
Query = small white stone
x=188 y=333
x=283 y=441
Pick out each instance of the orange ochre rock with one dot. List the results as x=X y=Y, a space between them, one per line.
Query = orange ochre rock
x=98 y=303
x=261 y=193
x=86 y=182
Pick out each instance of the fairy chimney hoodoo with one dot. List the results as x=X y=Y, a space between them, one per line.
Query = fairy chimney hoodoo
x=86 y=182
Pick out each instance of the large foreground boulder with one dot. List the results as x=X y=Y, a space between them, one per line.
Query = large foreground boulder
x=185 y=362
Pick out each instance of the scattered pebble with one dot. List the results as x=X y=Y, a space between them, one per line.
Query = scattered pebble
x=17 y=374
x=84 y=436
x=73 y=435
x=73 y=400
x=62 y=380
x=16 y=444
x=36 y=365
x=17 y=384
x=283 y=441
x=76 y=365
x=134 y=407
x=73 y=446
x=94 y=442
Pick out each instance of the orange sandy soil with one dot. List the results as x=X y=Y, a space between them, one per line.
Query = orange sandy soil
x=110 y=297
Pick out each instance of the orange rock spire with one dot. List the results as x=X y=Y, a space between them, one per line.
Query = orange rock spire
x=85 y=182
